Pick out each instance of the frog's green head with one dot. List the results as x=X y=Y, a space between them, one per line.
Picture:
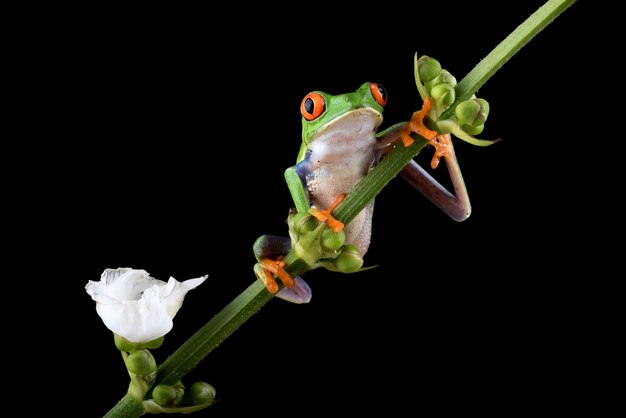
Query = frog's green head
x=322 y=112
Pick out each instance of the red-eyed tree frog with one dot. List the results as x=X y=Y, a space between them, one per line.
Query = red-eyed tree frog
x=340 y=145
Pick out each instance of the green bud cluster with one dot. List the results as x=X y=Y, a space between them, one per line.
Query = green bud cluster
x=439 y=84
x=142 y=369
x=320 y=246
x=171 y=399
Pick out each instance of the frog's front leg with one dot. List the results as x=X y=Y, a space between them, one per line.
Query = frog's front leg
x=456 y=205
x=269 y=251
x=295 y=183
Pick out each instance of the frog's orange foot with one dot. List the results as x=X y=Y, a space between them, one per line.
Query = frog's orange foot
x=442 y=149
x=273 y=268
x=326 y=215
x=416 y=124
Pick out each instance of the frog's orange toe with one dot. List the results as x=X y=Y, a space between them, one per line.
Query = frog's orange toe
x=405 y=136
x=416 y=124
x=275 y=268
x=269 y=282
x=326 y=215
x=442 y=148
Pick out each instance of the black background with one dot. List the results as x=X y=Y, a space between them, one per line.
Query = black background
x=185 y=120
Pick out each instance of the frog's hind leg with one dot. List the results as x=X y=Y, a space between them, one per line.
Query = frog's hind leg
x=456 y=205
x=269 y=250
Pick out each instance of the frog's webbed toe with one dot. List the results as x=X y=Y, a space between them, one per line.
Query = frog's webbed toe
x=299 y=293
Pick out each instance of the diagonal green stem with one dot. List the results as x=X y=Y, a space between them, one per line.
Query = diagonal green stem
x=126 y=407
x=505 y=50
x=222 y=325
x=236 y=313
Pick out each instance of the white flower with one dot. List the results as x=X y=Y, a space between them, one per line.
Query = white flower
x=136 y=306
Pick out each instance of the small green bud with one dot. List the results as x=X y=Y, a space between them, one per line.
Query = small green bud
x=444 y=77
x=428 y=68
x=332 y=240
x=202 y=393
x=166 y=395
x=443 y=94
x=141 y=363
x=473 y=112
x=473 y=130
x=349 y=260
x=304 y=222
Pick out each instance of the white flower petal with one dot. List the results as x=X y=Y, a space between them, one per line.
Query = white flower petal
x=176 y=293
x=136 y=306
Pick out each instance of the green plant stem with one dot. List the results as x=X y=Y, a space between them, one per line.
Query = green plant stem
x=483 y=71
x=222 y=325
x=126 y=407
x=213 y=333
x=236 y=313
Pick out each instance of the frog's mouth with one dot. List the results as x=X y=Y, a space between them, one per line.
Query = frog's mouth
x=355 y=126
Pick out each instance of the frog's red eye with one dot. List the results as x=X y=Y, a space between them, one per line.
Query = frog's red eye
x=313 y=105
x=379 y=93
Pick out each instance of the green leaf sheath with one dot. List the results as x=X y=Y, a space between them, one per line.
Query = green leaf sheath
x=483 y=71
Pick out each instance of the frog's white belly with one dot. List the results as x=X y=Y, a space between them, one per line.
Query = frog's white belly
x=340 y=157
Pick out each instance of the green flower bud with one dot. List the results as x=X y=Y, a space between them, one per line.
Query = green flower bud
x=141 y=363
x=444 y=77
x=202 y=393
x=304 y=222
x=349 y=260
x=443 y=94
x=166 y=395
x=428 y=68
x=473 y=130
x=333 y=240
x=473 y=112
